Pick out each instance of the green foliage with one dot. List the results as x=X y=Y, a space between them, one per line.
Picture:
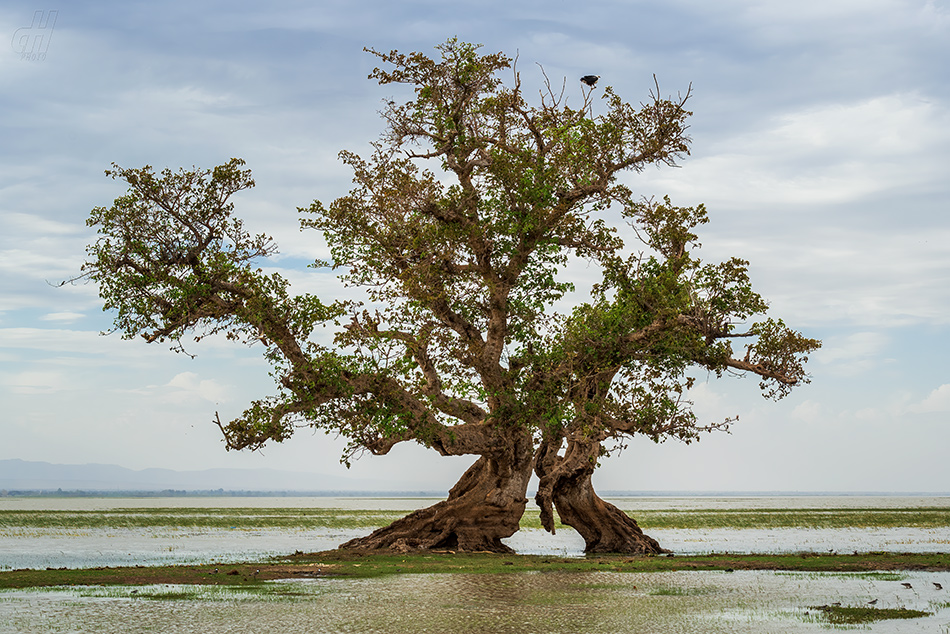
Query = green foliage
x=171 y=259
x=458 y=228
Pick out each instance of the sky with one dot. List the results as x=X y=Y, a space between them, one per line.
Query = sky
x=821 y=148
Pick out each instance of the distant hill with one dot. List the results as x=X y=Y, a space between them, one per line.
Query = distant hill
x=22 y=476
x=19 y=475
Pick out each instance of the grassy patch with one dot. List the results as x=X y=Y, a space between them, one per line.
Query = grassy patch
x=249 y=574
x=870 y=576
x=342 y=563
x=373 y=564
x=314 y=518
x=937 y=517
x=192 y=592
x=857 y=615
x=198 y=518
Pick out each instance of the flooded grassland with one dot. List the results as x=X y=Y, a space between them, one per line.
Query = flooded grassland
x=213 y=533
x=590 y=602
x=88 y=532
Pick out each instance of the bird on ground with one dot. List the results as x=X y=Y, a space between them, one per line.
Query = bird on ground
x=937 y=585
x=908 y=586
x=872 y=602
x=590 y=80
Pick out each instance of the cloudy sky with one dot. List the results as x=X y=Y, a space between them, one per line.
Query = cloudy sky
x=821 y=146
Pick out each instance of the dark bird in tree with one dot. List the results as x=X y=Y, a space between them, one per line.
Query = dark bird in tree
x=590 y=80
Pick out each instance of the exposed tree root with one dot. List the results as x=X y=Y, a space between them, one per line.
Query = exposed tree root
x=566 y=484
x=484 y=507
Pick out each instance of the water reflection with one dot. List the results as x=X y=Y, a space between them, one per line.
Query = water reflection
x=686 y=602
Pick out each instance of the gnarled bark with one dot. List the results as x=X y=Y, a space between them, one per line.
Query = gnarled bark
x=604 y=527
x=566 y=483
x=483 y=507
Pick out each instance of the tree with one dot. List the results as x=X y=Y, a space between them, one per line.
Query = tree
x=459 y=346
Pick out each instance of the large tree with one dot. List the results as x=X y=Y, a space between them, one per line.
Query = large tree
x=458 y=229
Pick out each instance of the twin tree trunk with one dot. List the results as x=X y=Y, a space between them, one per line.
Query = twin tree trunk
x=565 y=483
x=486 y=505
x=604 y=527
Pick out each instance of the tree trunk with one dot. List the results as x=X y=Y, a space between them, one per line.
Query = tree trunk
x=566 y=482
x=484 y=506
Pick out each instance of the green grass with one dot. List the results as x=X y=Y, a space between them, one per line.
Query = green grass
x=197 y=518
x=281 y=518
x=350 y=564
x=858 y=615
x=870 y=576
x=192 y=592
x=934 y=517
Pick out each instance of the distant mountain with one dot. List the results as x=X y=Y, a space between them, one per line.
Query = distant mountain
x=19 y=475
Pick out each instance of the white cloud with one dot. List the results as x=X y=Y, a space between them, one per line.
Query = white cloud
x=44 y=258
x=35 y=224
x=856 y=346
x=828 y=154
x=36 y=382
x=860 y=277
x=808 y=412
x=85 y=342
x=884 y=130
x=854 y=354
x=704 y=396
x=936 y=401
x=66 y=342
x=62 y=317
x=935 y=17
x=189 y=386
x=869 y=414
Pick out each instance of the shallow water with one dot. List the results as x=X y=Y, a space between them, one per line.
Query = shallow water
x=567 y=543
x=671 y=602
x=79 y=548
x=152 y=547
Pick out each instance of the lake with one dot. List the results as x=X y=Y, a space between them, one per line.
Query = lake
x=741 y=601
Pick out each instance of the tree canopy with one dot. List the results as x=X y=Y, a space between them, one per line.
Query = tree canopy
x=459 y=227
